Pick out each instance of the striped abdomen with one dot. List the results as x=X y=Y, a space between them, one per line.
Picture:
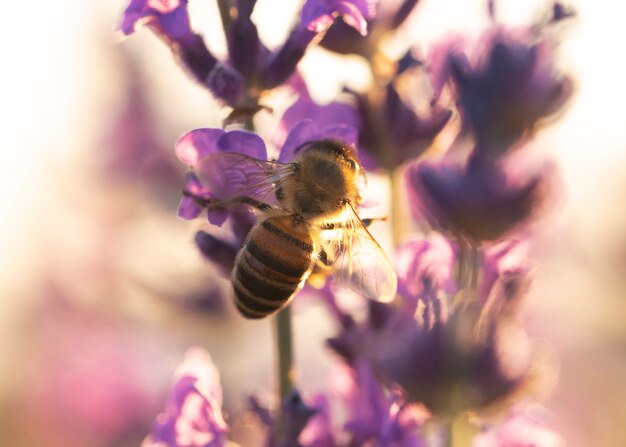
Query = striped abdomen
x=272 y=266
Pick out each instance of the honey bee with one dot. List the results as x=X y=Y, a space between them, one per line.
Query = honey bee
x=307 y=220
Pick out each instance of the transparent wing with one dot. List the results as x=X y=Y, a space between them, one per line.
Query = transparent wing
x=232 y=175
x=359 y=262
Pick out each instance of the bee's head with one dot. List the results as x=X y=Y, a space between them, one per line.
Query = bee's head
x=330 y=174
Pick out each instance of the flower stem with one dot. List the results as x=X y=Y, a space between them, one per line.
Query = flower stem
x=284 y=352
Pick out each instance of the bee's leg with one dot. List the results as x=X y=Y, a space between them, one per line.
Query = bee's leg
x=261 y=206
x=213 y=204
x=322 y=258
x=339 y=226
x=321 y=270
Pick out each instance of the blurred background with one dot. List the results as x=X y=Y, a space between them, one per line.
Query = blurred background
x=102 y=288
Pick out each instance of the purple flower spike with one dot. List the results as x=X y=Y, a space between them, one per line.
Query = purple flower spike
x=411 y=133
x=243 y=41
x=295 y=417
x=478 y=200
x=219 y=252
x=425 y=268
x=448 y=368
x=376 y=417
x=319 y=431
x=279 y=67
x=507 y=90
x=318 y=15
x=192 y=416
x=166 y=17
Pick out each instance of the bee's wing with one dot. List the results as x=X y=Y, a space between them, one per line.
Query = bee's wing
x=359 y=262
x=231 y=175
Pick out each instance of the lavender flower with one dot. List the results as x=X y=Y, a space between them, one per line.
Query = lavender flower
x=166 y=17
x=402 y=135
x=482 y=201
x=448 y=368
x=285 y=430
x=318 y=15
x=319 y=432
x=193 y=147
x=385 y=16
x=375 y=416
x=192 y=417
x=457 y=355
x=251 y=68
x=506 y=91
x=452 y=355
x=425 y=268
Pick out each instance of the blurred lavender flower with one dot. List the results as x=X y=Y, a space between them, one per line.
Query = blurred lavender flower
x=375 y=416
x=132 y=152
x=250 y=68
x=505 y=90
x=193 y=416
x=318 y=15
x=319 y=432
x=425 y=267
x=90 y=379
x=383 y=17
x=518 y=430
x=449 y=354
x=449 y=368
x=403 y=133
x=482 y=200
x=285 y=430
x=466 y=353
x=168 y=17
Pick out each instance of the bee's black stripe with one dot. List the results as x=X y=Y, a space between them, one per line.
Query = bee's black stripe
x=264 y=287
x=252 y=306
x=255 y=302
x=287 y=237
x=250 y=314
x=274 y=262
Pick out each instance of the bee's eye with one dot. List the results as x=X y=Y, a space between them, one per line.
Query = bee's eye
x=352 y=164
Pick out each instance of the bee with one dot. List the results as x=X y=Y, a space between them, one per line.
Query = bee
x=307 y=220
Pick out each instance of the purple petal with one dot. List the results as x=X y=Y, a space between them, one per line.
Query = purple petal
x=243 y=142
x=282 y=64
x=193 y=53
x=343 y=132
x=219 y=252
x=196 y=144
x=226 y=84
x=188 y=209
x=302 y=132
x=318 y=15
x=166 y=17
x=354 y=17
x=426 y=267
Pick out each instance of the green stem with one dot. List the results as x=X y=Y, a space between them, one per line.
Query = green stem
x=449 y=432
x=284 y=352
